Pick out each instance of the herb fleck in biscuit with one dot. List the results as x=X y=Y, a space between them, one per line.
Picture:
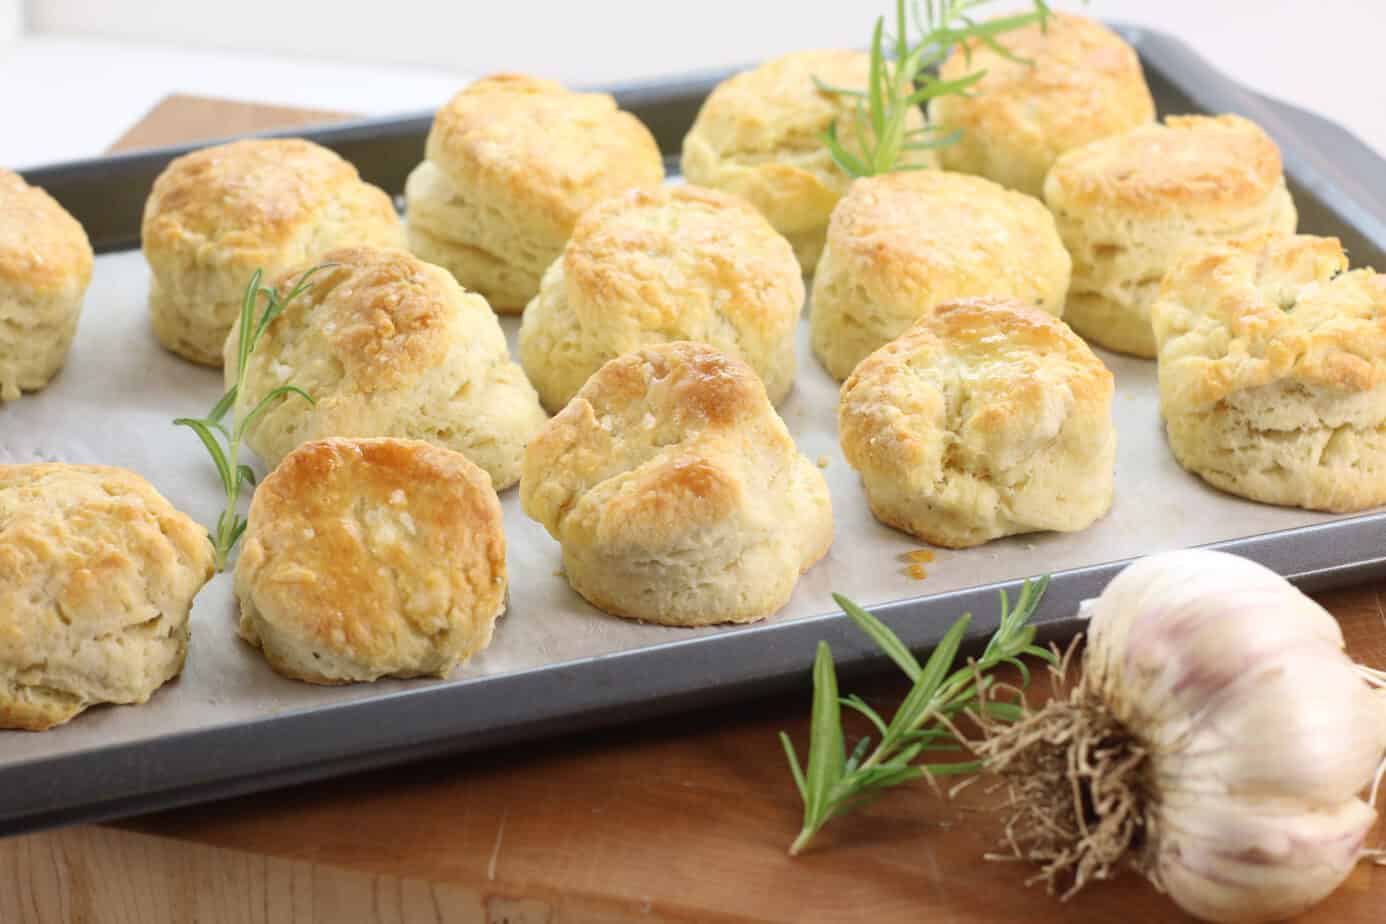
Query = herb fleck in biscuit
x=97 y=575
x=676 y=492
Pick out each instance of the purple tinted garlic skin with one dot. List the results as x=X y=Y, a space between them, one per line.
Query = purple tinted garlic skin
x=1261 y=734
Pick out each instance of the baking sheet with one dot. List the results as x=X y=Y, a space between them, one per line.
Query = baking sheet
x=115 y=402
x=230 y=725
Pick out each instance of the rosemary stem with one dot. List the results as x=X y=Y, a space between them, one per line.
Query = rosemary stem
x=226 y=526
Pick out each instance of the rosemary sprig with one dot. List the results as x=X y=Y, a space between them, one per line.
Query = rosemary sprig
x=223 y=444
x=836 y=782
x=903 y=77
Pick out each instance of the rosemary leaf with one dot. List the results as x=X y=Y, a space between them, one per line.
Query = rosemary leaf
x=825 y=757
x=836 y=783
x=882 y=636
x=222 y=407
x=857 y=703
x=268 y=401
x=794 y=767
x=209 y=439
x=223 y=445
x=900 y=78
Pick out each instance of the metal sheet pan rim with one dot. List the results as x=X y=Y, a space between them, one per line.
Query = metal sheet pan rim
x=51 y=791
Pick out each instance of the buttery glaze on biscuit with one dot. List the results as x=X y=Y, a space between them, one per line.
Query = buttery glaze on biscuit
x=371 y=558
x=1129 y=207
x=1272 y=364
x=511 y=163
x=388 y=345
x=45 y=267
x=646 y=267
x=902 y=243
x=759 y=135
x=1063 y=85
x=676 y=492
x=97 y=575
x=987 y=418
x=216 y=215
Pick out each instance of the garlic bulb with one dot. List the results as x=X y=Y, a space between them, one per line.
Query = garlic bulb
x=1219 y=740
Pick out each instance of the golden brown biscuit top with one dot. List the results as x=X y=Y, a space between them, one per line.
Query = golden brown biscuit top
x=902 y=232
x=249 y=194
x=42 y=247
x=1068 y=83
x=1204 y=163
x=359 y=540
x=692 y=386
x=385 y=314
x=1000 y=375
x=777 y=108
x=85 y=552
x=660 y=254
x=659 y=429
x=542 y=147
x=1269 y=308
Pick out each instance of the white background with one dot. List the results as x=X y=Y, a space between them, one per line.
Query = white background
x=78 y=72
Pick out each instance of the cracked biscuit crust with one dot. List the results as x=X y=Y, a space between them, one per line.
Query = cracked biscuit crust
x=388 y=345
x=218 y=214
x=676 y=491
x=1059 y=86
x=678 y=263
x=511 y=163
x=902 y=243
x=1272 y=364
x=1130 y=206
x=45 y=266
x=760 y=133
x=987 y=418
x=371 y=558
x=97 y=575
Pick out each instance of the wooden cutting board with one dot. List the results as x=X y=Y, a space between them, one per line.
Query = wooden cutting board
x=684 y=819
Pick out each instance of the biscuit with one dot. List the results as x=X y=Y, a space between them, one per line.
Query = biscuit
x=902 y=243
x=45 y=266
x=676 y=263
x=759 y=135
x=1272 y=365
x=1129 y=206
x=987 y=418
x=97 y=576
x=511 y=163
x=218 y=214
x=676 y=492
x=371 y=558
x=1062 y=85
x=387 y=345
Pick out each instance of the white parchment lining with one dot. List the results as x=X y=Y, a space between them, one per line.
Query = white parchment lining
x=115 y=401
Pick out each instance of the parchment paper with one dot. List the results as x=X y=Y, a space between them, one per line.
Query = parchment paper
x=115 y=402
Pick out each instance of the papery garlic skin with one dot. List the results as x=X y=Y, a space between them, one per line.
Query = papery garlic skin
x=1261 y=733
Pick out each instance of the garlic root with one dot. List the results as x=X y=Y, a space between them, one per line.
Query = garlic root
x=1076 y=789
x=1218 y=741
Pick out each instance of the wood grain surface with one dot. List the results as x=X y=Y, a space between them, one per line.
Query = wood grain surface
x=183 y=119
x=685 y=819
